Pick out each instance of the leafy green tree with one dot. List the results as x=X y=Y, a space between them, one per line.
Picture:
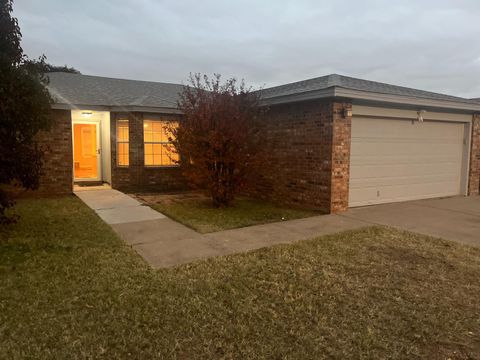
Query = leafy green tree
x=24 y=111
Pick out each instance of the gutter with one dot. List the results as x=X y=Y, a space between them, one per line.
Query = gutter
x=117 y=108
x=366 y=97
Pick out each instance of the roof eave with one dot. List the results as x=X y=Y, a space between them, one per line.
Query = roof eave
x=117 y=108
x=304 y=96
x=405 y=100
x=371 y=97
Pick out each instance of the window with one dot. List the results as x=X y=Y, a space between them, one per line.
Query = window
x=158 y=150
x=122 y=143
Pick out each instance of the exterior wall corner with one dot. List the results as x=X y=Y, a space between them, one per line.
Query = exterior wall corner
x=474 y=173
x=340 y=164
x=56 y=177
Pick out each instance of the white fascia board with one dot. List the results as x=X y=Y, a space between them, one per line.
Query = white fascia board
x=338 y=92
x=405 y=100
x=160 y=110
x=305 y=96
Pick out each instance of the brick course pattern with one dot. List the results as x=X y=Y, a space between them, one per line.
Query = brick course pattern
x=57 y=173
x=474 y=179
x=341 y=143
x=308 y=155
x=136 y=176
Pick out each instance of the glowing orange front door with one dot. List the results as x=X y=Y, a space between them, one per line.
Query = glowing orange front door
x=85 y=164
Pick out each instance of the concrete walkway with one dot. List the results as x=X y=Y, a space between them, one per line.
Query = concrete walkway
x=115 y=207
x=163 y=242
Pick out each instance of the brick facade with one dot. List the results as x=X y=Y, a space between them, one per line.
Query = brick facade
x=136 y=176
x=341 y=142
x=307 y=148
x=57 y=172
x=474 y=180
x=308 y=155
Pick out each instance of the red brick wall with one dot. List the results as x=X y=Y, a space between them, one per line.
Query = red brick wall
x=308 y=155
x=137 y=177
x=57 y=172
x=341 y=142
x=474 y=180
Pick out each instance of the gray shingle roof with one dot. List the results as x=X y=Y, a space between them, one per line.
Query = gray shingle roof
x=75 y=89
x=346 y=82
x=79 y=89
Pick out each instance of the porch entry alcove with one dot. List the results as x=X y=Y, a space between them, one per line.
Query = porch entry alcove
x=91 y=146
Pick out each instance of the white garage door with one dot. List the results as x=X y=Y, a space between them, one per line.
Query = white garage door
x=398 y=160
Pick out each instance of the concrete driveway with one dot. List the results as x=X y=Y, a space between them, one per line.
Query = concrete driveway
x=453 y=218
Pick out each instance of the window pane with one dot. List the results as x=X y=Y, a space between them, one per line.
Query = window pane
x=125 y=154
x=156 y=148
x=148 y=159
x=157 y=159
x=157 y=126
x=147 y=136
x=122 y=154
x=122 y=130
x=147 y=130
x=167 y=159
x=122 y=143
x=157 y=136
x=157 y=154
x=164 y=135
x=148 y=148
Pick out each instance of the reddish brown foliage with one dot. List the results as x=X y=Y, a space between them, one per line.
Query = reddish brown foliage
x=218 y=138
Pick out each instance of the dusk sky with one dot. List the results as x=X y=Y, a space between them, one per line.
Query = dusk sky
x=427 y=44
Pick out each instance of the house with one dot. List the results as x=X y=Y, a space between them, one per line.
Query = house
x=333 y=142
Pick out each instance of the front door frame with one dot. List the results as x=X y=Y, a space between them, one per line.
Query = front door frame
x=98 y=150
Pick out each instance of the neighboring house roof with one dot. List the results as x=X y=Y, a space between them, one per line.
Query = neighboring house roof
x=75 y=90
x=81 y=91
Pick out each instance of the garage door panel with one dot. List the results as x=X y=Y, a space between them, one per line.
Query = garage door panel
x=397 y=160
x=403 y=159
x=389 y=172
x=390 y=129
x=453 y=149
x=386 y=181
x=368 y=196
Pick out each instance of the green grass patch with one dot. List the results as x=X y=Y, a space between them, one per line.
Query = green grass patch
x=200 y=215
x=69 y=288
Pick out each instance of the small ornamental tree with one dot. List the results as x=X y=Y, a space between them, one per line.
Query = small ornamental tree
x=218 y=137
x=24 y=110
